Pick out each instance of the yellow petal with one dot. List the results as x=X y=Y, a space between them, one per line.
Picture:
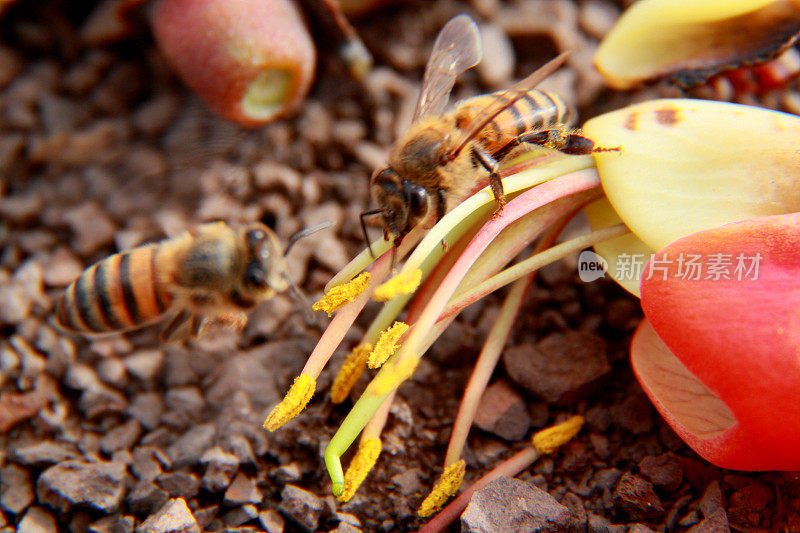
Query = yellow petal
x=691 y=165
x=623 y=254
x=654 y=38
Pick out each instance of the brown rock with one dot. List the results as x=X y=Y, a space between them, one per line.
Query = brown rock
x=534 y=510
x=634 y=414
x=179 y=484
x=272 y=521
x=663 y=471
x=113 y=524
x=712 y=499
x=174 y=517
x=304 y=507
x=502 y=411
x=16 y=488
x=747 y=505
x=636 y=498
x=561 y=368
x=92 y=226
x=100 y=485
x=716 y=523
x=121 y=437
x=242 y=490
x=15 y=407
x=145 y=498
x=37 y=520
x=221 y=466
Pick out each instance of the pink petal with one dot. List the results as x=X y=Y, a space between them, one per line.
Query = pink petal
x=739 y=339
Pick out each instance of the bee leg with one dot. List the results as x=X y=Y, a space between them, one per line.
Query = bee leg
x=177 y=328
x=491 y=165
x=234 y=319
x=564 y=141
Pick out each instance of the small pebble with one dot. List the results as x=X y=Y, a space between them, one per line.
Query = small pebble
x=174 y=516
x=99 y=485
x=636 y=497
x=16 y=488
x=502 y=411
x=37 y=520
x=272 y=521
x=188 y=449
x=179 y=484
x=302 y=506
x=534 y=509
x=561 y=368
x=242 y=490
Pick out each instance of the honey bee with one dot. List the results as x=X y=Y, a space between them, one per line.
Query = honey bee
x=446 y=156
x=213 y=273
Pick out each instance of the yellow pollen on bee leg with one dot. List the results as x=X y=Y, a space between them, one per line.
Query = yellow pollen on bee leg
x=448 y=484
x=342 y=294
x=352 y=368
x=293 y=403
x=386 y=345
x=550 y=439
x=368 y=451
x=399 y=285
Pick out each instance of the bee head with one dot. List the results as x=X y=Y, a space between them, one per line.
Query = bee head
x=403 y=203
x=265 y=268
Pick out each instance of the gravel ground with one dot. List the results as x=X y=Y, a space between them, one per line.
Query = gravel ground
x=102 y=149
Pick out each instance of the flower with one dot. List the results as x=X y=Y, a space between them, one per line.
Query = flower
x=719 y=351
x=713 y=188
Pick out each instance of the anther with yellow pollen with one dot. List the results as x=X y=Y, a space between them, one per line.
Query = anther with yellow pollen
x=400 y=285
x=368 y=451
x=293 y=404
x=448 y=484
x=354 y=365
x=386 y=345
x=342 y=294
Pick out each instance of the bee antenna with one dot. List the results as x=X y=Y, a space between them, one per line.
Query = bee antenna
x=301 y=300
x=303 y=233
x=364 y=228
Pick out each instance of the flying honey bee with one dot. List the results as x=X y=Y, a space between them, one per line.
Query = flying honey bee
x=446 y=156
x=213 y=273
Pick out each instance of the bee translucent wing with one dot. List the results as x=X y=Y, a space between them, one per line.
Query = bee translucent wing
x=504 y=100
x=457 y=48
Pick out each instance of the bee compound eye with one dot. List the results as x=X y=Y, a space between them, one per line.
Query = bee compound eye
x=256 y=276
x=418 y=198
x=255 y=236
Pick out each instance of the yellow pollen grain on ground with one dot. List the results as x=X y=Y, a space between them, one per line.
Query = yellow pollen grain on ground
x=293 y=403
x=368 y=451
x=448 y=484
x=402 y=284
x=550 y=439
x=354 y=365
x=342 y=294
x=386 y=344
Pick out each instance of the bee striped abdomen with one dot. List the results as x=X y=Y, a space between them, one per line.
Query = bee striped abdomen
x=534 y=111
x=118 y=293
